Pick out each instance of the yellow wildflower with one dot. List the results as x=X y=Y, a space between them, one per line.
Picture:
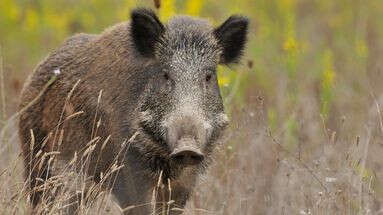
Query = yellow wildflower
x=328 y=73
x=31 y=19
x=10 y=9
x=193 y=7
x=291 y=45
x=167 y=9
x=223 y=80
x=361 y=49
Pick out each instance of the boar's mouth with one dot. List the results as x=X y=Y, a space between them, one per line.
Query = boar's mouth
x=187 y=153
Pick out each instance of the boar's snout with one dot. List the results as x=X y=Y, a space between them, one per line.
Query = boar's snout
x=186 y=135
x=187 y=153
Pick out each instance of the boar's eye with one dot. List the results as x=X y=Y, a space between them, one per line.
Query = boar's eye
x=209 y=74
x=166 y=76
x=208 y=77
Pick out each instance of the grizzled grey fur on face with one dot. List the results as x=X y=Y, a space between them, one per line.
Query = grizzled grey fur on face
x=159 y=85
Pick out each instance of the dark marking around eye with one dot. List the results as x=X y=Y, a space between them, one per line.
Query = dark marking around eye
x=166 y=76
x=208 y=77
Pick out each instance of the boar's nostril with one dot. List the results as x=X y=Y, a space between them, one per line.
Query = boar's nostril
x=178 y=158
x=187 y=157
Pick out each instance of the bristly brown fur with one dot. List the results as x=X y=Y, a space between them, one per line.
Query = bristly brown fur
x=136 y=91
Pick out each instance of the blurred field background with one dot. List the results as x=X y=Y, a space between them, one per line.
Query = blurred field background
x=305 y=103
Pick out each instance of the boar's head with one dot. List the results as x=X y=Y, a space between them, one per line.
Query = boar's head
x=182 y=108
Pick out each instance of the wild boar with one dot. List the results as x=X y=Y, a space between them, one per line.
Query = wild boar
x=141 y=98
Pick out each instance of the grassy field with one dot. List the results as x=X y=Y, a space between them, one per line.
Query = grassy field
x=306 y=134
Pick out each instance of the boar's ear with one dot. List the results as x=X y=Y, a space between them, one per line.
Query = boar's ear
x=231 y=36
x=146 y=30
